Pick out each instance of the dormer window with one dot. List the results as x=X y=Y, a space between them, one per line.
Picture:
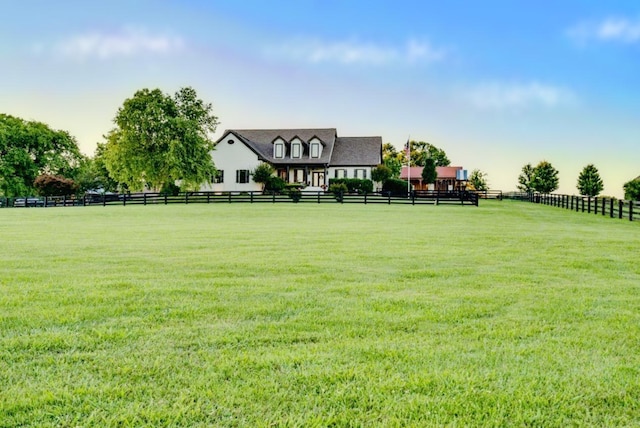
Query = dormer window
x=315 y=149
x=296 y=149
x=278 y=149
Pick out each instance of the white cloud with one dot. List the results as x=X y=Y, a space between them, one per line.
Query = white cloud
x=355 y=52
x=125 y=43
x=611 y=29
x=497 y=95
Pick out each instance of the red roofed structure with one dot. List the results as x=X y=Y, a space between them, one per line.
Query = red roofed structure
x=447 y=178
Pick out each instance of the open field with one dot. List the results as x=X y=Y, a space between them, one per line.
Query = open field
x=318 y=315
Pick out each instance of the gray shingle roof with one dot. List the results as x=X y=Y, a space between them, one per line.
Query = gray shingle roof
x=336 y=151
x=355 y=151
x=261 y=141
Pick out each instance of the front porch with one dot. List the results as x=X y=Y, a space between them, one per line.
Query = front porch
x=311 y=176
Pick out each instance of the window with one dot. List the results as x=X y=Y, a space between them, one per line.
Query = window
x=242 y=176
x=219 y=177
x=341 y=173
x=361 y=173
x=315 y=150
x=278 y=150
x=299 y=175
x=296 y=150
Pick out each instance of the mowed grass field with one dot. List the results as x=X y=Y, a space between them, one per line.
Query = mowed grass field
x=508 y=314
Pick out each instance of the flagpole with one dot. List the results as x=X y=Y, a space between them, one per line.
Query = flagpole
x=408 y=154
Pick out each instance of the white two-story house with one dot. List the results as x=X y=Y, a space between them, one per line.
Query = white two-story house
x=306 y=156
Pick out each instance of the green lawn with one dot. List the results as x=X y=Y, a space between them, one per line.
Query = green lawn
x=318 y=315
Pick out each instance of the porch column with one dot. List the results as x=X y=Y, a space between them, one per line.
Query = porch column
x=306 y=175
x=326 y=178
x=288 y=180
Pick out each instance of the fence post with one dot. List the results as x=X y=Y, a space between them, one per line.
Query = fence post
x=124 y=200
x=229 y=197
x=611 y=207
x=208 y=197
x=186 y=198
x=413 y=197
x=630 y=210
x=389 y=198
x=104 y=199
x=589 y=205
x=604 y=206
x=620 y=208
x=144 y=199
x=365 y=198
x=273 y=199
x=251 y=196
x=165 y=199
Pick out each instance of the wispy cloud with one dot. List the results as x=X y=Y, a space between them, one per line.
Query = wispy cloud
x=496 y=95
x=613 y=29
x=127 y=42
x=356 y=52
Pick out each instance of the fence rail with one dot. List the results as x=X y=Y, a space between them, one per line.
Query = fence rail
x=410 y=198
x=610 y=207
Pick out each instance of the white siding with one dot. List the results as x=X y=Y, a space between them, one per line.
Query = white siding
x=350 y=171
x=231 y=158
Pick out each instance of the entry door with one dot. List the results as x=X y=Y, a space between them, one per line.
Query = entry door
x=317 y=179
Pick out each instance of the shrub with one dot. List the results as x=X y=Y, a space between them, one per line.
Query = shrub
x=338 y=189
x=294 y=193
x=54 y=185
x=274 y=185
x=395 y=186
x=262 y=174
x=354 y=185
x=170 y=189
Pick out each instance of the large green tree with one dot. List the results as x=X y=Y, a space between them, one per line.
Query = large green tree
x=160 y=139
x=524 y=179
x=29 y=149
x=262 y=174
x=589 y=181
x=632 y=189
x=545 y=178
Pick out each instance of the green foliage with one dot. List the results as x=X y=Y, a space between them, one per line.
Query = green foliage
x=392 y=159
x=429 y=172
x=263 y=173
x=478 y=180
x=545 y=178
x=54 y=185
x=381 y=173
x=29 y=149
x=421 y=151
x=338 y=189
x=632 y=189
x=396 y=187
x=274 y=184
x=589 y=181
x=525 y=178
x=354 y=185
x=295 y=193
x=160 y=139
x=498 y=316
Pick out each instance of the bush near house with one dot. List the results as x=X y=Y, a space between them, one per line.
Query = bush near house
x=354 y=185
x=338 y=189
x=395 y=186
x=274 y=185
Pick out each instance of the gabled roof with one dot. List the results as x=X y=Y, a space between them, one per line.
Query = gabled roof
x=261 y=142
x=337 y=151
x=354 y=151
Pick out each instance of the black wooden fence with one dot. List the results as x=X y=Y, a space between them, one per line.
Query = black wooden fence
x=412 y=198
x=605 y=206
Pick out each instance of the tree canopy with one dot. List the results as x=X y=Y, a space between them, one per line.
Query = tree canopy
x=589 y=181
x=524 y=179
x=478 y=180
x=544 y=178
x=29 y=149
x=420 y=151
x=632 y=189
x=160 y=139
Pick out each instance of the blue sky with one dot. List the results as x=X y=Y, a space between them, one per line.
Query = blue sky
x=496 y=84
